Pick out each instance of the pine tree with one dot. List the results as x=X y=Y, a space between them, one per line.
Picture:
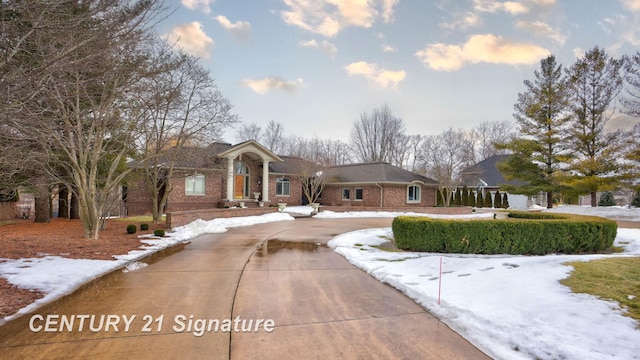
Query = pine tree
x=538 y=152
x=465 y=196
x=497 y=200
x=480 y=200
x=488 y=203
x=636 y=200
x=458 y=197
x=505 y=201
x=472 y=199
x=595 y=81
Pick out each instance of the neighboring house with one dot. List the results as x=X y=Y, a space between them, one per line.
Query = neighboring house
x=621 y=196
x=377 y=184
x=486 y=176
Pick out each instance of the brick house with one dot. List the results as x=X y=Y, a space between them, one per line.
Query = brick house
x=222 y=175
x=377 y=184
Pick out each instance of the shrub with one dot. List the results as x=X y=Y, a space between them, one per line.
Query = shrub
x=131 y=229
x=607 y=199
x=158 y=232
x=144 y=226
x=480 y=200
x=497 y=200
x=505 y=201
x=636 y=200
x=523 y=234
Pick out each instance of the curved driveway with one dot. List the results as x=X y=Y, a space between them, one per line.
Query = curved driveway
x=321 y=306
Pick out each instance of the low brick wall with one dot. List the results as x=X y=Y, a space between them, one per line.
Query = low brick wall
x=179 y=218
x=459 y=210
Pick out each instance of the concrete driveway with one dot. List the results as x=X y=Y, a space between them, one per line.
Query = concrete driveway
x=280 y=292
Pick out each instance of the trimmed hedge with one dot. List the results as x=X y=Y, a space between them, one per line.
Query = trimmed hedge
x=523 y=233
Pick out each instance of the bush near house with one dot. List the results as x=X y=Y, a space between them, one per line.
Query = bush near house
x=607 y=199
x=522 y=234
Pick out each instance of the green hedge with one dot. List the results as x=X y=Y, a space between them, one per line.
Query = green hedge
x=523 y=233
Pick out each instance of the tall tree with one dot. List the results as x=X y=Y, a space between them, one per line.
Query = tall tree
x=595 y=81
x=539 y=152
x=377 y=135
x=81 y=65
x=273 y=137
x=181 y=109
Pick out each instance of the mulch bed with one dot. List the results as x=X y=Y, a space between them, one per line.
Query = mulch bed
x=60 y=237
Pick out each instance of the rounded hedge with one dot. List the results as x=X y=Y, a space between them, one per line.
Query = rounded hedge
x=523 y=233
x=131 y=229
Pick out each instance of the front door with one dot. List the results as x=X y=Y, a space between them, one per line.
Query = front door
x=241 y=181
x=239 y=187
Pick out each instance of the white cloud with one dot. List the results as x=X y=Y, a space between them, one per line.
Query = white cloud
x=381 y=77
x=192 y=39
x=388 y=49
x=328 y=17
x=486 y=48
x=492 y=6
x=633 y=5
x=267 y=84
x=240 y=29
x=542 y=29
x=203 y=5
x=325 y=46
x=463 y=22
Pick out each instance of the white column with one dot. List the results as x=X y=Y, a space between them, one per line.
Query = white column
x=265 y=181
x=230 y=179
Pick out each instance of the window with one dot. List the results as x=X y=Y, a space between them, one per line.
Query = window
x=358 y=193
x=194 y=185
x=283 y=187
x=346 y=194
x=413 y=194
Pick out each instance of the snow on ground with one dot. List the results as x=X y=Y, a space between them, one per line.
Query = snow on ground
x=512 y=307
x=57 y=276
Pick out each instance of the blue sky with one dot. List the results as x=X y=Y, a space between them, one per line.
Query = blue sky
x=316 y=65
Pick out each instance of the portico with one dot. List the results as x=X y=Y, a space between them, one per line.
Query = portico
x=239 y=184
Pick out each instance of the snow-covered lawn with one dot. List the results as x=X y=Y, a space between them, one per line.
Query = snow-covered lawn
x=512 y=307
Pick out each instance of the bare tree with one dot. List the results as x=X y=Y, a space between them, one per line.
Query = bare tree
x=377 y=135
x=443 y=156
x=182 y=108
x=73 y=101
x=490 y=133
x=246 y=132
x=273 y=137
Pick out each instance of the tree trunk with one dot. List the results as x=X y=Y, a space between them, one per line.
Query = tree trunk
x=594 y=199
x=549 y=199
x=42 y=207
x=74 y=211
x=63 y=203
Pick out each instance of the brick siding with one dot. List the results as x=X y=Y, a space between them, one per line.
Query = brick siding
x=393 y=196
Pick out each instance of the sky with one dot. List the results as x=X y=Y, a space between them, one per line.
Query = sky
x=316 y=65
x=511 y=307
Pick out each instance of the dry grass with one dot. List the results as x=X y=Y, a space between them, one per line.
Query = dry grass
x=616 y=279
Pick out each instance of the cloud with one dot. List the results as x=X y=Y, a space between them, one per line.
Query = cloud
x=633 y=5
x=381 y=77
x=201 y=4
x=464 y=22
x=325 y=46
x=480 y=48
x=388 y=49
x=328 y=17
x=492 y=6
x=239 y=29
x=192 y=39
x=542 y=29
x=267 y=84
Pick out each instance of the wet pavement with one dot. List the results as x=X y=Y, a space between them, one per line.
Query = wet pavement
x=270 y=291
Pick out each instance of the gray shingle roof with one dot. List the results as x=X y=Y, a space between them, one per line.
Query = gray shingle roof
x=374 y=172
x=487 y=171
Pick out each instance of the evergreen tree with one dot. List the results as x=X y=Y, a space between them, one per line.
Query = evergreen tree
x=488 y=203
x=595 y=81
x=538 y=152
x=480 y=200
x=458 y=197
x=505 y=201
x=636 y=200
x=472 y=199
x=465 y=196
x=497 y=200
x=607 y=199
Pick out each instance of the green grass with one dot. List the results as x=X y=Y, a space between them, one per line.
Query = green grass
x=615 y=279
